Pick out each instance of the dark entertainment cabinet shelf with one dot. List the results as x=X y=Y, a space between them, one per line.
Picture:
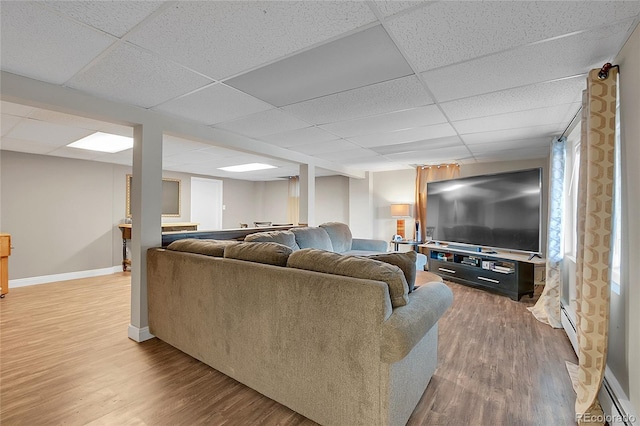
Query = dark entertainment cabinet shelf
x=510 y=274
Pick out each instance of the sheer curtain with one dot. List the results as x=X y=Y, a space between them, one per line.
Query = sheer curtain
x=293 y=200
x=547 y=309
x=595 y=193
x=425 y=174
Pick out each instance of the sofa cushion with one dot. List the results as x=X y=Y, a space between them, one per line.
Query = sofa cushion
x=312 y=237
x=405 y=261
x=339 y=234
x=357 y=267
x=259 y=252
x=283 y=237
x=213 y=248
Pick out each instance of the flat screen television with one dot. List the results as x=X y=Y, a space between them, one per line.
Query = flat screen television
x=501 y=210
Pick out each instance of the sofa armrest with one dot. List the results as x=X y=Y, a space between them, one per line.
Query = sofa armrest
x=408 y=324
x=366 y=244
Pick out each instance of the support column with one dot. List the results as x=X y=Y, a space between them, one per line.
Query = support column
x=308 y=194
x=146 y=211
x=361 y=206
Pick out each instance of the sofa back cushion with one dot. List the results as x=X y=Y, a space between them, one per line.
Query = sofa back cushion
x=283 y=237
x=356 y=267
x=340 y=236
x=312 y=237
x=213 y=248
x=259 y=252
x=405 y=261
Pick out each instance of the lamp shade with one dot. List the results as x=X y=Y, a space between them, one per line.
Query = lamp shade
x=400 y=210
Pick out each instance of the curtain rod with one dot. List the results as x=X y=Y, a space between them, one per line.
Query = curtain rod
x=571 y=122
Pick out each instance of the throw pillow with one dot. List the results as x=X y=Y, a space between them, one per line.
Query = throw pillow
x=283 y=237
x=213 y=248
x=312 y=237
x=405 y=261
x=259 y=252
x=356 y=267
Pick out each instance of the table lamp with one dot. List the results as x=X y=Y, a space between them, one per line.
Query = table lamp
x=400 y=211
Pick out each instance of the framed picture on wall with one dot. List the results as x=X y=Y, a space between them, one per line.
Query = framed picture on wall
x=170 y=197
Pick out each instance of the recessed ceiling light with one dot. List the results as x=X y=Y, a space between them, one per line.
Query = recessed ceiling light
x=247 y=167
x=103 y=142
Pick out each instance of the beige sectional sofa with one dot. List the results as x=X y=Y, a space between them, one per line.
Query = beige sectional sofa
x=330 y=236
x=336 y=338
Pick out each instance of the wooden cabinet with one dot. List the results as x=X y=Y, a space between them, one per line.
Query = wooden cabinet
x=5 y=252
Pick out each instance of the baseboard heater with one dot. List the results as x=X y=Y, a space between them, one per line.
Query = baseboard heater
x=615 y=403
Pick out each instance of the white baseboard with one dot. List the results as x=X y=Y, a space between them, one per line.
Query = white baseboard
x=23 y=282
x=615 y=403
x=139 y=334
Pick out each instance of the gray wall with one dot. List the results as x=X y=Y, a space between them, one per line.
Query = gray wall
x=63 y=213
x=60 y=213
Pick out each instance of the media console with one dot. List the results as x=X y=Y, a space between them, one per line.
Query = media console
x=510 y=274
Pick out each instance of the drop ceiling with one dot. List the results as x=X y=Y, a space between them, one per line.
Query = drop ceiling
x=371 y=85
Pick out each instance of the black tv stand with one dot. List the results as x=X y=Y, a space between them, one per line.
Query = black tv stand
x=534 y=255
x=510 y=274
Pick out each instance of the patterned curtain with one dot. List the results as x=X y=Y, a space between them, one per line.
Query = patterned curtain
x=293 y=200
x=547 y=309
x=595 y=194
x=425 y=174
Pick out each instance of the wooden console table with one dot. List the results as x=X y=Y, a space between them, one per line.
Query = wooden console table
x=5 y=252
x=125 y=228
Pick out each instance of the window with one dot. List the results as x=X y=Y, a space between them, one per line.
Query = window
x=616 y=233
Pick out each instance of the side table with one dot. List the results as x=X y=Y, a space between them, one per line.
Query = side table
x=412 y=243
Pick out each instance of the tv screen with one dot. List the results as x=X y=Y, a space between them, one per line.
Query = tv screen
x=499 y=210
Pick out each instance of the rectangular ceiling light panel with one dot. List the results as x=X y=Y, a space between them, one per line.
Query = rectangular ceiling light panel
x=363 y=58
x=247 y=167
x=103 y=142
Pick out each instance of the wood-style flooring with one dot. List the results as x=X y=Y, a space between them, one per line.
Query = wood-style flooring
x=65 y=359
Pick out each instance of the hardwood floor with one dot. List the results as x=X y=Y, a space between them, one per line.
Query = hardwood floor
x=65 y=359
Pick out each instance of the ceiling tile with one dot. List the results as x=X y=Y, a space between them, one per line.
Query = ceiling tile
x=381 y=98
x=129 y=74
x=172 y=145
x=513 y=144
x=67 y=119
x=193 y=157
x=124 y=158
x=557 y=114
x=548 y=131
x=440 y=155
x=16 y=109
x=450 y=31
x=352 y=154
x=391 y=7
x=77 y=153
x=432 y=144
x=325 y=147
x=519 y=99
x=299 y=137
x=246 y=34
x=552 y=59
x=513 y=154
x=220 y=152
x=263 y=123
x=114 y=17
x=18 y=145
x=47 y=133
x=357 y=60
x=8 y=122
x=41 y=44
x=214 y=104
x=404 y=136
x=406 y=119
